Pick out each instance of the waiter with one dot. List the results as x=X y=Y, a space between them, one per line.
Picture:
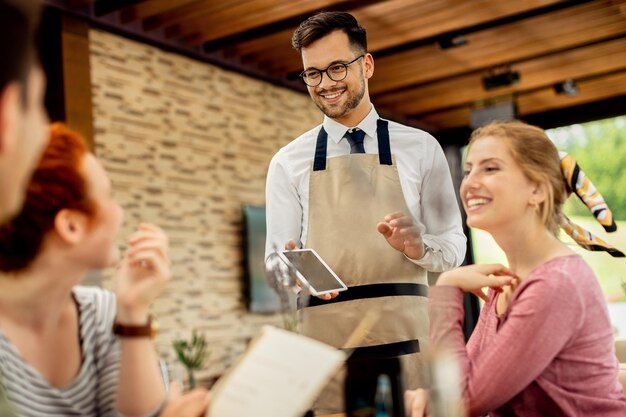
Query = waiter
x=374 y=198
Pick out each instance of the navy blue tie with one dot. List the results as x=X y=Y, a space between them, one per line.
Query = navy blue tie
x=355 y=138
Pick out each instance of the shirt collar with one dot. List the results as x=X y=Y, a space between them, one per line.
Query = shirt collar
x=336 y=131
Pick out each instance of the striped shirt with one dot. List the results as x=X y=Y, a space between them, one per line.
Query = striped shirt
x=92 y=392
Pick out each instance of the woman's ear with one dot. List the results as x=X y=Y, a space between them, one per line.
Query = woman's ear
x=71 y=225
x=539 y=194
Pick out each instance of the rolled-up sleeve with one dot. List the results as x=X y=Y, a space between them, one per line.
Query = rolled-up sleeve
x=283 y=207
x=443 y=237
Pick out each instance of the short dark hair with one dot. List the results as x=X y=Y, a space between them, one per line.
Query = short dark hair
x=18 y=24
x=323 y=23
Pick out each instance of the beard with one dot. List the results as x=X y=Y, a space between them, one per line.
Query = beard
x=335 y=111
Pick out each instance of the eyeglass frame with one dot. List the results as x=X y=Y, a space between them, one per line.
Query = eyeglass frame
x=345 y=65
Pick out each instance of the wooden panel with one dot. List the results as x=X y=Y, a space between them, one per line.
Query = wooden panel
x=395 y=24
x=542 y=100
x=188 y=11
x=245 y=16
x=514 y=42
x=399 y=22
x=536 y=73
x=77 y=77
x=153 y=8
x=591 y=90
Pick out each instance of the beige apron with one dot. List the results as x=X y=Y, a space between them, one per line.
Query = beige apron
x=348 y=196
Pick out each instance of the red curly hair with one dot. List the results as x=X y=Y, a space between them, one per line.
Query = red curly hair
x=57 y=184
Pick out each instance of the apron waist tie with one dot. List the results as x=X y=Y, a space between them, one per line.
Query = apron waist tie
x=360 y=292
x=387 y=350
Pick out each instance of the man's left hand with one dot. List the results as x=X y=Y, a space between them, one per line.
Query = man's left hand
x=402 y=234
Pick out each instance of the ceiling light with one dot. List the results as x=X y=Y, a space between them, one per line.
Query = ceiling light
x=501 y=77
x=567 y=87
x=452 y=41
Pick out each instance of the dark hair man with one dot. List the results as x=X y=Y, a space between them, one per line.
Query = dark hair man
x=373 y=197
x=23 y=120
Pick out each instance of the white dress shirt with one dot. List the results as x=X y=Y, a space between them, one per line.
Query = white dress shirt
x=424 y=177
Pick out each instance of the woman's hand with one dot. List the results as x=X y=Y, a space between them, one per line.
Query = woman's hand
x=402 y=234
x=416 y=403
x=142 y=275
x=473 y=278
x=192 y=404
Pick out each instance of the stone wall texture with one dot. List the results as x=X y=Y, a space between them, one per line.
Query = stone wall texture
x=186 y=144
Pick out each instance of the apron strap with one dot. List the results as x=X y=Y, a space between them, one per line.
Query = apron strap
x=360 y=292
x=384 y=148
x=388 y=350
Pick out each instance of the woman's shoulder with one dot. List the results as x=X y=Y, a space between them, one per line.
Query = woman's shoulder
x=99 y=297
x=563 y=266
x=97 y=306
x=563 y=276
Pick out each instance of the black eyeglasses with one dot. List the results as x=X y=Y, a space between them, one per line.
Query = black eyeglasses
x=336 y=72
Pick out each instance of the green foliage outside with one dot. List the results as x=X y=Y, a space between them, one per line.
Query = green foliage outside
x=600 y=149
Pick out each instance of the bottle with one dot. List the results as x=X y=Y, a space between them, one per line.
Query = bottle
x=383 y=399
x=446 y=397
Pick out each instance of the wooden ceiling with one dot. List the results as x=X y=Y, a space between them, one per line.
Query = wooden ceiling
x=417 y=79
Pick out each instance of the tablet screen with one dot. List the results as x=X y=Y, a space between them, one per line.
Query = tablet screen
x=317 y=274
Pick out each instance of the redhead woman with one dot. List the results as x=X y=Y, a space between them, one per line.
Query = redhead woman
x=543 y=345
x=58 y=353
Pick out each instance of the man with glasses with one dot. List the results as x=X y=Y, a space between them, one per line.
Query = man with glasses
x=374 y=198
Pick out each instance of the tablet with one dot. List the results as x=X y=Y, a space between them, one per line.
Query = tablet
x=312 y=271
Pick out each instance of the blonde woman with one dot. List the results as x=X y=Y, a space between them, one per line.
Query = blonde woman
x=543 y=345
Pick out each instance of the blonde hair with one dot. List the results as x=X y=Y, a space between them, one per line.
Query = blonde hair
x=539 y=160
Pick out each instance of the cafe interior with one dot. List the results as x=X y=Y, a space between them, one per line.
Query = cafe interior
x=186 y=101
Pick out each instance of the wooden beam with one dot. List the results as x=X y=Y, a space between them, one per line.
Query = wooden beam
x=152 y=8
x=186 y=11
x=278 y=26
x=588 y=112
x=248 y=16
x=537 y=73
x=400 y=25
x=599 y=88
x=77 y=76
x=104 y=7
x=542 y=35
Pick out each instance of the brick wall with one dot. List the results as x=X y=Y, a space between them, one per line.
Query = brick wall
x=186 y=144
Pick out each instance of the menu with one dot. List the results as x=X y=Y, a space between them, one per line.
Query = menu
x=280 y=375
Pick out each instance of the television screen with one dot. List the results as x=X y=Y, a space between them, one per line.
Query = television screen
x=261 y=297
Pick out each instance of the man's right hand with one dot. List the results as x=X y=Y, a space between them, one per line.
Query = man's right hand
x=291 y=245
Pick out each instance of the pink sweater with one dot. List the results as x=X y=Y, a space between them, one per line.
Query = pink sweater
x=550 y=354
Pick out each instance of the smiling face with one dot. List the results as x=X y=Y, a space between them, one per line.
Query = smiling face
x=346 y=101
x=495 y=191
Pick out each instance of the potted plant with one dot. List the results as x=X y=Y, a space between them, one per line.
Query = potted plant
x=192 y=354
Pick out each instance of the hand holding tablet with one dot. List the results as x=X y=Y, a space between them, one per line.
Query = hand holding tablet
x=314 y=274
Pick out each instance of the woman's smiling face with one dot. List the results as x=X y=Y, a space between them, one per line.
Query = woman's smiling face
x=495 y=191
